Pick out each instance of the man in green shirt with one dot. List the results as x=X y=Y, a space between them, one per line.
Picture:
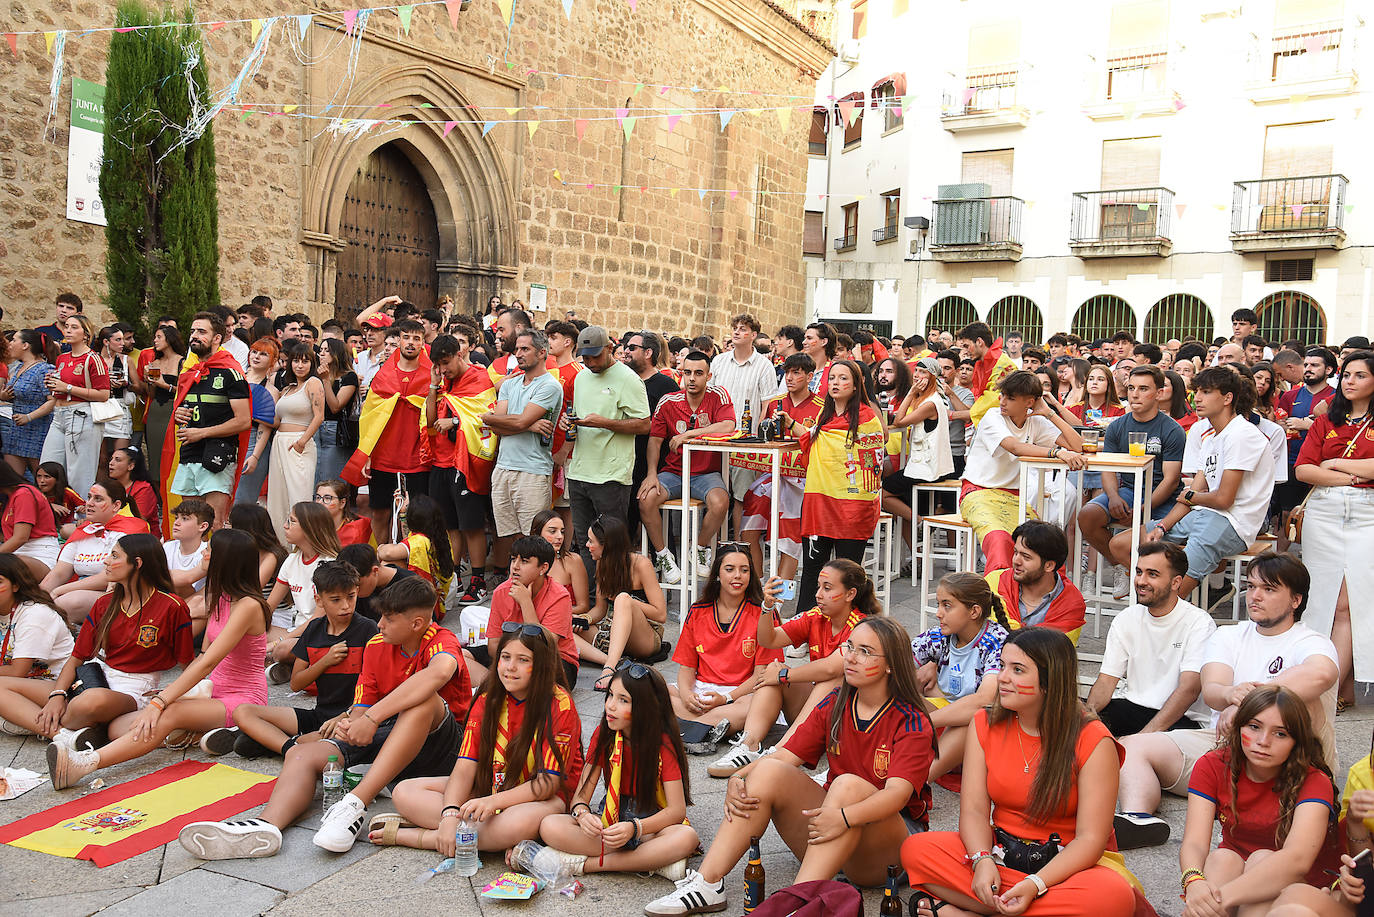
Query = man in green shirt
x=611 y=408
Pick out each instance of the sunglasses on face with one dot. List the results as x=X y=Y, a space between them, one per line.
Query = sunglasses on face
x=524 y=630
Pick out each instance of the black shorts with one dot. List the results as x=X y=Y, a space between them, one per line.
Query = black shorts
x=434 y=759
x=1289 y=494
x=899 y=485
x=381 y=487
x=463 y=510
x=308 y=721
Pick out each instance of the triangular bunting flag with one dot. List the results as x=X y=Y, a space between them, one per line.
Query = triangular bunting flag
x=303 y=23
x=557 y=175
x=1297 y=210
x=404 y=13
x=533 y=126
x=847 y=112
x=487 y=126
x=567 y=8
x=48 y=39
x=732 y=194
x=1179 y=208
x=350 y=18
x=426 y=105
x=674 y=118
x=512 y=111
x=216 y=26
x=580 y=127
x=288 y=109
x=672 y=192
x=13 y=41
x=257 y=28
x=449 y=126
x=506 y=9
x=454 y=8
x=725 y=116
x=701 y=194
x=785 y=117
x=244 y=117
x=590 y=186
x=1313 y=44
x=629 y=125
x=615 y=189
x=621 y=114
x=1349 y=207
x=638 y=87
x=634 y=5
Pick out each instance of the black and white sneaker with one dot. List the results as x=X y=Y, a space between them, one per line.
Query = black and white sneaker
x=231 y=840
x=1135 y=830
x=1221 y=598
x=341 y=825
x=475 y=594
x=707 y=746
x=245 y=746
x=97 y=736
x=219 y=742
x=693 y=895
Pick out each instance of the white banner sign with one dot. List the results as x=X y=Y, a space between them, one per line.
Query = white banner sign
x=84 y=151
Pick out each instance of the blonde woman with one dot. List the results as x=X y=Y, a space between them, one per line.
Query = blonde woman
x=80 y=379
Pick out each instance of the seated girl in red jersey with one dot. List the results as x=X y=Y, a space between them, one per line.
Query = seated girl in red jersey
x=235 y=639
x=51 y=479
x=134 y=633
x=337 y=497
x=78 y=578
x=719 y=658
x=507 y=800
x=1269 y=786
x=1066 y=786
x=844 y=597
x=637 y=752
x=878 y=742
x=27 y=525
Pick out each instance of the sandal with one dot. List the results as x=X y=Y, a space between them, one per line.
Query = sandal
x=603 y=683
x=1343 y=705
x=929 y=900
x=389 y=824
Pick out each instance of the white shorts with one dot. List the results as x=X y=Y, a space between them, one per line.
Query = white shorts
x=138 y=685
x=44 y=550
x=287 y=617
x=704 y=688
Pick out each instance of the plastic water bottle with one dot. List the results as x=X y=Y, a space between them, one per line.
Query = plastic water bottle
x=333 y=782
x=543 y=863
x=465 y=859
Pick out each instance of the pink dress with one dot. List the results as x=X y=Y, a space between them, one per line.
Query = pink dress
x=239 y=678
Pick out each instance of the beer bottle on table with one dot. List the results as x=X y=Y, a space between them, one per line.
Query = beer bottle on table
x=753 y=877
x=891 y=906
x=746 y=420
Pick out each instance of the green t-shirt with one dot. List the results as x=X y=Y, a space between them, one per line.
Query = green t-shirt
x=600 y=456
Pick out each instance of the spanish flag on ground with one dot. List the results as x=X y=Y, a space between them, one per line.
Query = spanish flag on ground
x=844 y=478
x=388 y=387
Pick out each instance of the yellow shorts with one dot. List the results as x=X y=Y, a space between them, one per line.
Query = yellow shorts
x=992 y=510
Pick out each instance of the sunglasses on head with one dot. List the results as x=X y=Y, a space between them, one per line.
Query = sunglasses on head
x=524 y=630
x=633 y=669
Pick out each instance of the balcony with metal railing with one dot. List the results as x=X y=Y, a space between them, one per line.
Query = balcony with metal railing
x=884 y=234
x=977 y=229
x=986 y=100
x=1285 y=214
x=1311 y=61
x=1121 y=223
x=847 y=243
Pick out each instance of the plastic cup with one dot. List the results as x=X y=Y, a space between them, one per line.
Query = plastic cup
x=1092 y=441
x=1136 y=443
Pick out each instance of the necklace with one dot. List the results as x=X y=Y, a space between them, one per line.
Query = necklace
x=1025 y=762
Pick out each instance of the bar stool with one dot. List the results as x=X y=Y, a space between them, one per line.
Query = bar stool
x=685 y=587
x=965 y=553
x=1235 y=568
x=879 y=565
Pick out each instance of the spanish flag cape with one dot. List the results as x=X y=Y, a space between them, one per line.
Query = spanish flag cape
x=474 y=454
x=1067 y=613
x=124 y=522
x=192 y=371
x=386 y=391
x=988 y=374
x=844 y=478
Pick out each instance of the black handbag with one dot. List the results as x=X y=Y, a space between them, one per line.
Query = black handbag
x=1026 y=856
x=89 y=675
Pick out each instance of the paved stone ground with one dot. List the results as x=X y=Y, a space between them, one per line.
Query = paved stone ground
x=305 y=880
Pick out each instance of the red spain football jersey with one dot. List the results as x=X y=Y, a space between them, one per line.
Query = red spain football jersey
x=723 y=654
x=674 y=415
x=565 y=727
x=153 y=638
x=815 y=630
x=385 y=667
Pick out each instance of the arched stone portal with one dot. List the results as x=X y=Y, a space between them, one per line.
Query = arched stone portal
x=467 y=180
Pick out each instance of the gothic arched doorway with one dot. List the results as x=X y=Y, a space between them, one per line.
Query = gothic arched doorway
x=392 y=235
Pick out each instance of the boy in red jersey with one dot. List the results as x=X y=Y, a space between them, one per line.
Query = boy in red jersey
x=412 y=686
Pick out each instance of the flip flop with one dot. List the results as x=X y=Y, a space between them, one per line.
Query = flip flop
x=603 y=683
x=389 y=824
x=919 y=898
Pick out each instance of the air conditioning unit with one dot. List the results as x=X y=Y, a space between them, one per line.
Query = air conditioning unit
x=961 y=216
x=849 y=51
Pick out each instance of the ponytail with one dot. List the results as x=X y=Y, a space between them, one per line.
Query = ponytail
x=972 y=589
x=852 y=576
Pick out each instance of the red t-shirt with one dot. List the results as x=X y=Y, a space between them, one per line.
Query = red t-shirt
x=815 y=630
x=566 y=376
x=674 y=415
x=385 y=667
x=153 y=639
x=398 y=448
x=668 y=767
x=565 y=728
x=359 y=531
x=473 y=381
x=898 y=741
x=1110 y=409
x=1325 y=441
x=27 y=504
x=723 y=654
x=73 y=371
x=145 y=498
x=1255 y=825
x=553 y=607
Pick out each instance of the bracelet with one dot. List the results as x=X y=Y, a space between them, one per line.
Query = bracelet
x=368 y=718
x=846 y=818
x=1039 y=883
x=639 y=829
x=158 y=702
x=61 y=694
x=573 y=811
x=443 y=813
x=980 y=855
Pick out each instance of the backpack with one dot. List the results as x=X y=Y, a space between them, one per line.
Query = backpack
x=818 y=898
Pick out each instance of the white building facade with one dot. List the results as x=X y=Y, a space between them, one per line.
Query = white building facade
x=1146 y=165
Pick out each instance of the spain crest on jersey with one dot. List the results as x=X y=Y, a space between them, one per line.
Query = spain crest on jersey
x=748 y=647
x=147 y=636
x=882 y=757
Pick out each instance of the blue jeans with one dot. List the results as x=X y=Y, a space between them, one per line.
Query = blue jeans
x=1207 y=536
x=329 y=458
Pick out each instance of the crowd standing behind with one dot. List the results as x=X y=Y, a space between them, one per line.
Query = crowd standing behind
x=389 y=513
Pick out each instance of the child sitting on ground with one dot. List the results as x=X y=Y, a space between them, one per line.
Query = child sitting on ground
x=402 y=722
x=187 y=557
x=329 y=656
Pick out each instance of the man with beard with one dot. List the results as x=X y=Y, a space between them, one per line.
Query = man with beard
x=1035 y=591
x=211 y=415
x=509 y=324
x=389 y=441
x=641 y=355
x=1303 y=403
x=1151 y=680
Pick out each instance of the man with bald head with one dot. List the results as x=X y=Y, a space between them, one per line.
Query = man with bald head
x=1229 y=353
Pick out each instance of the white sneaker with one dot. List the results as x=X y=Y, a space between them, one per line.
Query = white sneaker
x=340 y=826
x=693 y=895
x=1089 y=583
x=231 y=840
x=673 y=872
x=13 y=729
x=66 y=767
x=573 y=862
x=703 y=562
x=65 y=737
x=1121 y=585
x=735 y=757
x=667 y=566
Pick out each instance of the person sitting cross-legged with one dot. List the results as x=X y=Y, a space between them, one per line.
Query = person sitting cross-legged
x=1034 y=589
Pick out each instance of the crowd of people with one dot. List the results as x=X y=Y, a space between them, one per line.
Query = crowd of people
x=428 y=520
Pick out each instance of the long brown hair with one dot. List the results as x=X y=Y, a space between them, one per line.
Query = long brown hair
x=1306 y=754
x=233 y=572
x=536 y=728
x=615 y=569
x=902 y=685
x=1062 y=716
x=852 y=576
x=972 y=590
x=314 y=520
x=23 y=583
x=652 y=723
x=150 y=569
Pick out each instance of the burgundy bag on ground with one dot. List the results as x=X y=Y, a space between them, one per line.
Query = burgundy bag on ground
x=818 y=898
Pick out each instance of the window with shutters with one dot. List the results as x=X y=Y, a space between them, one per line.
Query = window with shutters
x=951 y=313
x=1307 y=39
x=1288 y=270
x=994 y=50
x=1179 y=315
x=851 y=228
x=1297 y=162
x=859 y=11
x=854 y=129
x=991 y=168
x=1130 y=179
x=820 y=121
x=1137 y=49
x=813 y=233
x=1289 y=315
x=891 y=106
x=1102 y=316
x=892 y=215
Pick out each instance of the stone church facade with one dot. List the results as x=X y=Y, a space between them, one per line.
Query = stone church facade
x=326 y=216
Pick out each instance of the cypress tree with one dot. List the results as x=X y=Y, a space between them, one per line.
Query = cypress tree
x=161 y=203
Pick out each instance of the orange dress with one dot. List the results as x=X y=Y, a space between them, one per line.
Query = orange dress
x=937 y=858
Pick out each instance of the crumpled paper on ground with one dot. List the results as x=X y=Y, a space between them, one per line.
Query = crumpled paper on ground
x=21 y=781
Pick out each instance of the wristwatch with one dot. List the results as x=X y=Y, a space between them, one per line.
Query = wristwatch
x=1188 y=496
x=782 y=675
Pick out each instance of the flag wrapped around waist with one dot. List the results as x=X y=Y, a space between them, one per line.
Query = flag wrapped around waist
x=388 y=387
x=192 y=371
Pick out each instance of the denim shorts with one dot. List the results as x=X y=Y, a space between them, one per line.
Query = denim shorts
x=702 y=484
x=1125 y=493
x=1207 y=537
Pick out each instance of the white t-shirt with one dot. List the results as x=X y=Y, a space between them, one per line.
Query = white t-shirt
x=88 y=555
x=1240 y=447
x=298 y=575
x=1254 y=657
x=1148 y=654
x=1278 y=447
x=178 y=561
x=36 y=632
x=237 y=349
x=988 y=464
